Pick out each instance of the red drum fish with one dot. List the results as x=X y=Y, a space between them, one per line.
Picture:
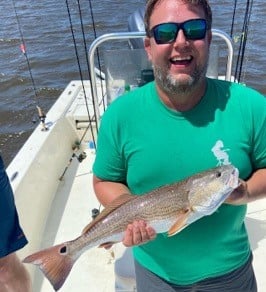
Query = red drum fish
x=169 y=208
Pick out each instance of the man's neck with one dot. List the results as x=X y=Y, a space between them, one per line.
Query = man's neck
x=183 y=101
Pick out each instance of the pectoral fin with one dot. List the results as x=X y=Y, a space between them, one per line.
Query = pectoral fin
x=179 y=224
x=107 y=245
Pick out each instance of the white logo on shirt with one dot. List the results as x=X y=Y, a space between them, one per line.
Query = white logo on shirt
x=220 y=153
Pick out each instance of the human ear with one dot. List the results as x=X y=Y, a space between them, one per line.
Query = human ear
x=147 y=47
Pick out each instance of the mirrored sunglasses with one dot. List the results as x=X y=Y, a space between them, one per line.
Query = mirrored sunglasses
x=166 y=33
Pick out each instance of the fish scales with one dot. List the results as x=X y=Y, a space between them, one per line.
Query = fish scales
x=151 y=207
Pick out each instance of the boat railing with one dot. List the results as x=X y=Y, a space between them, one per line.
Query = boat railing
x=137 y=35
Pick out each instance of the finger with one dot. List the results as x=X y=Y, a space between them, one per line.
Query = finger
x=151 y=232
x=147 y=232
x=142 y=233
x=128 y=237
x=139 y=232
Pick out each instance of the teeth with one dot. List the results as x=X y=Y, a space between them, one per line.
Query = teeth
x=188 y=58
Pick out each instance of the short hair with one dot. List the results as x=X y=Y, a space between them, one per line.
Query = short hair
x=150 y=5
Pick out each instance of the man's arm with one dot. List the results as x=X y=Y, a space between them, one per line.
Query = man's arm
x=107 y=191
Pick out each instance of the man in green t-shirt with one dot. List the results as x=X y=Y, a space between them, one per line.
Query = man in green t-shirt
x=169 y=129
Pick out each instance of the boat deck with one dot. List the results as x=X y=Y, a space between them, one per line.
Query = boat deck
x=256 y=224
x=94 y=269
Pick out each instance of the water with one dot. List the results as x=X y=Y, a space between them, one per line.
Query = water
x=49 y=45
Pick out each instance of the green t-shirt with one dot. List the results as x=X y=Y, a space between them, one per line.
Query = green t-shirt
x=144 y=144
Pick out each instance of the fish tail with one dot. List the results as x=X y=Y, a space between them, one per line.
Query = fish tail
x=55 y=263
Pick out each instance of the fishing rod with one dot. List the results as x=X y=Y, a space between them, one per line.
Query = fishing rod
x=79 y=67
x=41 y=113
x=94 y=212
x=243 y=41
x=233 y=19
x=76 y=146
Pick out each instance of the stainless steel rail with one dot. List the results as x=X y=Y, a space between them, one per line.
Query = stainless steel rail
x=134 y=35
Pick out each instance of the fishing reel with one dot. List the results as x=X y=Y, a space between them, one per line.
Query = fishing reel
x=42 y=117
x=81 y=156
x=94 y=213
x=75 y=147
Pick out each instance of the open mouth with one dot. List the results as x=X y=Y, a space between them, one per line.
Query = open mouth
x=181 y=60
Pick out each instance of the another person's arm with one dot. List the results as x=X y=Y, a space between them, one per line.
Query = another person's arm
x=13 y=275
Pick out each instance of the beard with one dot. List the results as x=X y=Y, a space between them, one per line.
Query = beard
x=173 y=86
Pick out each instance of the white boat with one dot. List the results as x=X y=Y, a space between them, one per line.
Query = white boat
x=52 y=178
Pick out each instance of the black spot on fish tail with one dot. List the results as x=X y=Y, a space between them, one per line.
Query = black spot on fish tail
x=63 y=250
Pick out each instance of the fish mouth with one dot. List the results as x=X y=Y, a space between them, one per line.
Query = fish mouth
x=233 y=181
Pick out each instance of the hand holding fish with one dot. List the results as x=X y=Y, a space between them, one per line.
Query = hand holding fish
x=240 y=195
x=138 y=233
x=251 y=190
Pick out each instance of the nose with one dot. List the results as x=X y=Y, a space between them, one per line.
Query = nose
x=180 y=38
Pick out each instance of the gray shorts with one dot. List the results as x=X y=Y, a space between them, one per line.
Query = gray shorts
x=240 y=280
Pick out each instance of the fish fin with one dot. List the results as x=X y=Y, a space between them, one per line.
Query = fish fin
x=54 y=262
x=107 y=245
x=109 y=209
x=179 y=224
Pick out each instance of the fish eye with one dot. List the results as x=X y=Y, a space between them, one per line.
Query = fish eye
x=218 y=174
x=63 y=250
